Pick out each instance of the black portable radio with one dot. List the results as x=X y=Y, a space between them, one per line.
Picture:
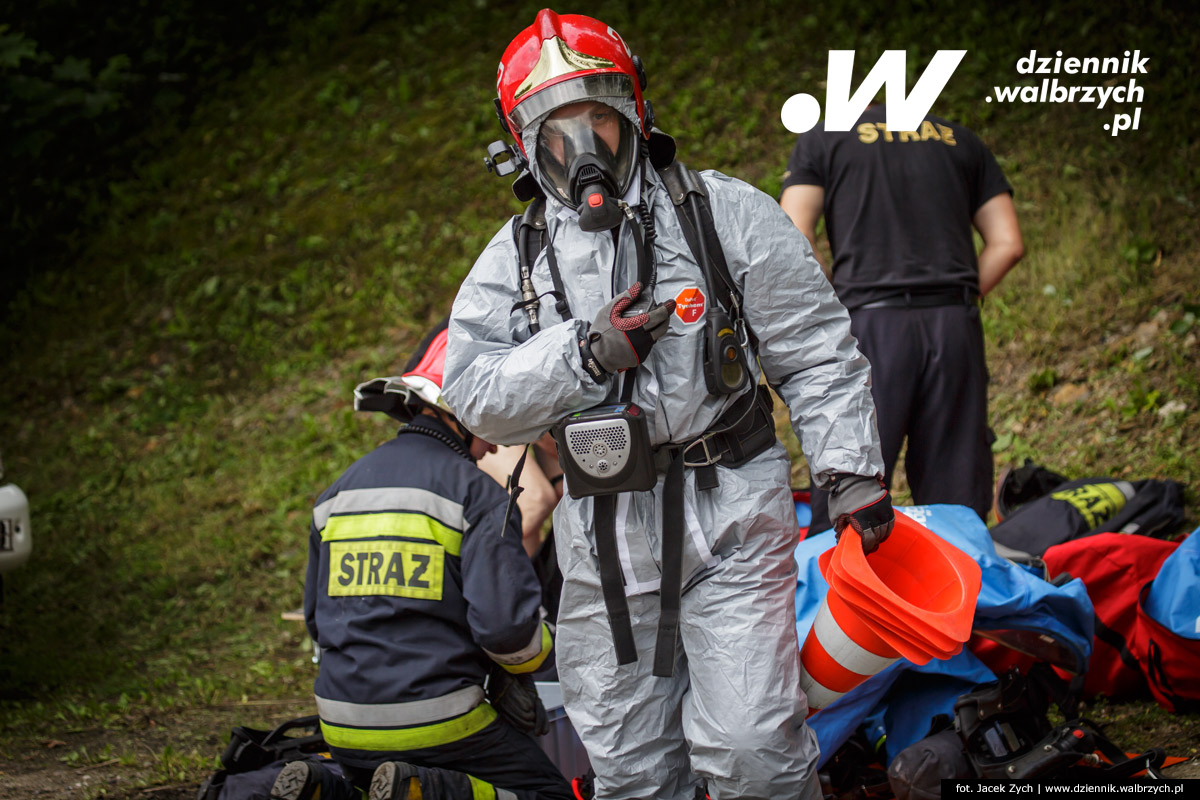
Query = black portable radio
x=725 y=369
x=605 y=450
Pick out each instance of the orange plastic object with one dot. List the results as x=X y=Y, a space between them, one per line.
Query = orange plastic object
x=930 y=638
x=916 y=576
x=914 y=645
x=913 y=597
x=840 y=652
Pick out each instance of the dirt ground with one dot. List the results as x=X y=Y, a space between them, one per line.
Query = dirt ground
x=136 y=769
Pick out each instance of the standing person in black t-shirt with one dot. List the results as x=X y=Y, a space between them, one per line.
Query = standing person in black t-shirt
x=899 y=207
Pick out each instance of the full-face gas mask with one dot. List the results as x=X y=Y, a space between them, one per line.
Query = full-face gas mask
x=586 y=158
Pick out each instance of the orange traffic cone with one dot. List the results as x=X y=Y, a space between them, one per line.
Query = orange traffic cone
x=914 y=597
x=896 y=632
x=841 y=651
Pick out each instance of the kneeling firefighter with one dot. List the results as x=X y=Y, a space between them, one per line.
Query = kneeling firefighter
x=418 y=590
x=632 y=309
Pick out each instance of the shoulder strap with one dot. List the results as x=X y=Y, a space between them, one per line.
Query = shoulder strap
x=686 y=190
x=530 y=236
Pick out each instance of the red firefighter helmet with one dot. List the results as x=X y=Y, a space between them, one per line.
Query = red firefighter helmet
x=565 y=59
x=421 y=384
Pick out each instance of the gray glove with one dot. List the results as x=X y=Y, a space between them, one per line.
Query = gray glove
x=516 y=699
x=863 y=504
x=615 y=342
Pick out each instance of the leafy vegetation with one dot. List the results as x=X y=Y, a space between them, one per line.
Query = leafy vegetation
x=89 y=88
x=177 y=397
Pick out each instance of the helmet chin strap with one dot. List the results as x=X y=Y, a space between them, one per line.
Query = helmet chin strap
x=456 y=426
x=468 y=439
x=453 y=424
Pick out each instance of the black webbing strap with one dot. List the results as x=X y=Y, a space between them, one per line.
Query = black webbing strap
x=1115 y=640
x=671 y=585
x=1121 y=764
x=560 y=294
x=686 y=190
x=514 y=488
x=613 y=587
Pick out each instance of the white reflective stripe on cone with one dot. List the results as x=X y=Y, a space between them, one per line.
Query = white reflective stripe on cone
x=844 y=650
x=818 y=695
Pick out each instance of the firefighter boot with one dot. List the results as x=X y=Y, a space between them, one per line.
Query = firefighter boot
x=397 y=780
x=306 y=780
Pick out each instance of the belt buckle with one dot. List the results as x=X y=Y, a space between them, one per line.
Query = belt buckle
x=709 y=457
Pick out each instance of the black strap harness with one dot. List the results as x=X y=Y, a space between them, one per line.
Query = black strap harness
x=744 y=431
x=686 y=189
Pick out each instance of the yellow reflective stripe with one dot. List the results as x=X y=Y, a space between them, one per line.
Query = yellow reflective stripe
x=481 y=790
x=1095 y=502
x=532 y=664
x=434 y=735
x=410 y=526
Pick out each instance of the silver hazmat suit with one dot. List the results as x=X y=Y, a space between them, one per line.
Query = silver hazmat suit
x=733 y=713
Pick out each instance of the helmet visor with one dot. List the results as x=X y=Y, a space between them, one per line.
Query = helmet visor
x=585 y=128
x=588 y=87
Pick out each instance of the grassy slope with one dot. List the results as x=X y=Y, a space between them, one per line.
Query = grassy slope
x=177 y=400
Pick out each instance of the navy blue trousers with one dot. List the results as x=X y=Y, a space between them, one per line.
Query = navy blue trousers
x=929 y=380
x=498 y=754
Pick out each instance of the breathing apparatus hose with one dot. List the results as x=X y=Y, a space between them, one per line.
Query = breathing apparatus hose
x=650 y=234
x=641 y=224
x=529 y=296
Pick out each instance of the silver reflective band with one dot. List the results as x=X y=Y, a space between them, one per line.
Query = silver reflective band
x=354 y=501
x=842 y=649
x=399 y=715
x=524 y=654
x=818 y=696
x=589 y=87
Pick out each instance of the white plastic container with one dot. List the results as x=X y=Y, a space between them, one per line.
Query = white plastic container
x=561 y=743
x=16 y=537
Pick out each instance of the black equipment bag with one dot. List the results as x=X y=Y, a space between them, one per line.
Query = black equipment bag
x=1020 y=485
x=253 y=758
x=1002 y=732
x=1087 y=506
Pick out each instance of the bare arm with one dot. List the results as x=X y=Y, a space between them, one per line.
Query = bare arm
x=996 y=221
x=805 y=203
x=538 y=499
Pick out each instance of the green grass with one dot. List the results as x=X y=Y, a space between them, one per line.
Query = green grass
x=176 y=400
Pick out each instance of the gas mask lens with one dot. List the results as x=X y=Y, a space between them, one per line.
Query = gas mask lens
x=584 y=144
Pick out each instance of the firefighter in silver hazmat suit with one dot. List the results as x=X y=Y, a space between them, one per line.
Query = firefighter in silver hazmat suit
x=732 y=715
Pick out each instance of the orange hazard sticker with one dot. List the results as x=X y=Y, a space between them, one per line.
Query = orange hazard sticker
x=689 y=305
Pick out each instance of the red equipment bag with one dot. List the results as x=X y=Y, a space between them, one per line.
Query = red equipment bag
x=1171 y=661
x=1114 y=567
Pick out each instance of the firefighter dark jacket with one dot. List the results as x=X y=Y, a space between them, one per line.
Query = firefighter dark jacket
x=415 y=588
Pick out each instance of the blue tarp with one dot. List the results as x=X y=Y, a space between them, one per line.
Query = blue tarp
x=905 y=698
x=1174 y=597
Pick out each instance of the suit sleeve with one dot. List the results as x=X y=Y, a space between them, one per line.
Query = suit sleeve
x=503 y=384
x=503 y=594
x=805 y=347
